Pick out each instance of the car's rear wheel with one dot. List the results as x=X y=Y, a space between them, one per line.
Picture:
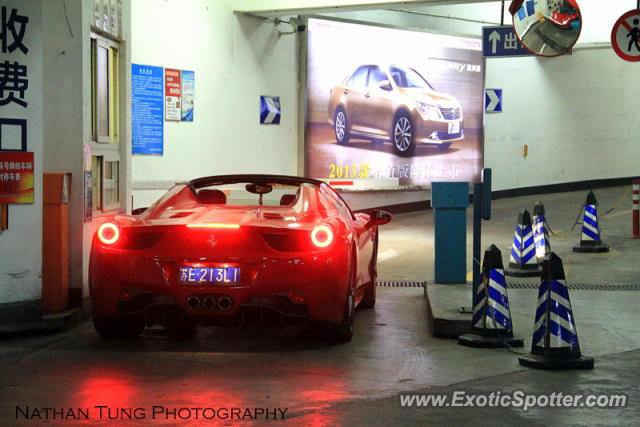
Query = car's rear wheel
x=344 y=331
x=369 y=297
x=402 y=135
x=340 y=126
x=110 y=327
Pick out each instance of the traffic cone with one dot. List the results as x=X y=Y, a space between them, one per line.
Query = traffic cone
x=523 y=261
x=540 y=232
x=555 y=339
x=491 y=324
x=590 y=238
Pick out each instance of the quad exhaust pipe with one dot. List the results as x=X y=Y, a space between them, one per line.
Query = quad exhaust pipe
x=193 y=302
x=225 y=303
x=209 y=303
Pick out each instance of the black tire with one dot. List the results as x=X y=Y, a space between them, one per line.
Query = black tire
x=369 y=297
x=402 y=135
x=443 y=147
x=341 y=127
x=344 y=331
x=108 y=327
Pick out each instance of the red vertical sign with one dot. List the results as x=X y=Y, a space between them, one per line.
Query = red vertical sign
x=172 y=94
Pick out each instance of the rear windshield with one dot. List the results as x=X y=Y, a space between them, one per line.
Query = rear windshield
x=249 y=194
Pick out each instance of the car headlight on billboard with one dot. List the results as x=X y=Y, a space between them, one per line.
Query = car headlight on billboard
x=431 y=111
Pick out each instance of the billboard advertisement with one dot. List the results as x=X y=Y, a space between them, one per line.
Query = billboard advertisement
x=392 y=106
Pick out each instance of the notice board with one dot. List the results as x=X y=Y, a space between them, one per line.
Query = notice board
x=147 y=124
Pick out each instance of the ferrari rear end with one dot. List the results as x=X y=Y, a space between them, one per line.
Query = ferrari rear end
x=185 y=261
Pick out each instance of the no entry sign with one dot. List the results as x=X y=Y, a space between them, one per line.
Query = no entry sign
x=625 y=36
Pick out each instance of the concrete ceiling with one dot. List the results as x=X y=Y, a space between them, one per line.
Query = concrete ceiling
x=277 y=8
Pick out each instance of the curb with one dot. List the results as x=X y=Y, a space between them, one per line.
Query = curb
x=445 y=327
x=51 y=323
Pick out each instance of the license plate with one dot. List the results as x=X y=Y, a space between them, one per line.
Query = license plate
x=454 y=127
x=210 y=274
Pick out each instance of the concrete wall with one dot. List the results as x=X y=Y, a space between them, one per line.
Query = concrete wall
x=67 y=114
x=236 y=59
x=21 y=244
x=59 y=113
x=66 y=111
x=578 y=125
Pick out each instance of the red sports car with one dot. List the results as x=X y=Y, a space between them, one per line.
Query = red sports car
x=233 y=249
x=566 y=16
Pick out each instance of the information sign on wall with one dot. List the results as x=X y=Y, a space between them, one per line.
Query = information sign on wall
x=147 y=126
x=188 y=87
x=172 y=94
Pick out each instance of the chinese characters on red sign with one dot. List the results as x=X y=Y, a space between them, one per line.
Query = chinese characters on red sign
x=16 y=165
x=16 y=177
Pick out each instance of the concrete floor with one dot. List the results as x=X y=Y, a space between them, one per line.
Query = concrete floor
x=356 y=383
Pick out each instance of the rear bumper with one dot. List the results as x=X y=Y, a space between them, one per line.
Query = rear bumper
x=263 y=310
x=310 y=287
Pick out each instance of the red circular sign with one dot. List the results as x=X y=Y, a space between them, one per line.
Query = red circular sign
x=625 y=36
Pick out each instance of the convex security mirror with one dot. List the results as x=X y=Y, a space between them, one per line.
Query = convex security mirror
x=546 y=27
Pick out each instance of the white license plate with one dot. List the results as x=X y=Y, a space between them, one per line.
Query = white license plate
x=454 y=127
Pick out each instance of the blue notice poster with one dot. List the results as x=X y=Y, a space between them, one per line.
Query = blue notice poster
x=188 y=89
x=147 y=124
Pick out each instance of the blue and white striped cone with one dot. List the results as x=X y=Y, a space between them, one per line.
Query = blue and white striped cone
x=590 y=240
x=555 y=339
x=523 y=261
x=491 y=324
x=540 y=232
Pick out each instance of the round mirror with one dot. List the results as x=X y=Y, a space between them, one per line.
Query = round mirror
x=547 y=27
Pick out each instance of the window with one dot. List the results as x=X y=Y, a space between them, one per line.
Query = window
x=105 y=144
x=359 y=77
x=105 y=90
x=336 y=201
x=111 y=185
x=249 y=194
x=96 y=182
x=376 y=75
x=105 y=175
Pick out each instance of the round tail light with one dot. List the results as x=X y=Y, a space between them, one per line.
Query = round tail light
x=109 y=233
x=322 y=236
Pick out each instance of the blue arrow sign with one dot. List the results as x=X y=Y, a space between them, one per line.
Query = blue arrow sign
x=493 y=100
x=501 y=41
x=270 y=110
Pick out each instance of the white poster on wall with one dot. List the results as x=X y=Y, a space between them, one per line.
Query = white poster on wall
x=188 y=87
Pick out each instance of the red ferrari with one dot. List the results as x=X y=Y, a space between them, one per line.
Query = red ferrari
x=236 y=249
x=566 y=16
